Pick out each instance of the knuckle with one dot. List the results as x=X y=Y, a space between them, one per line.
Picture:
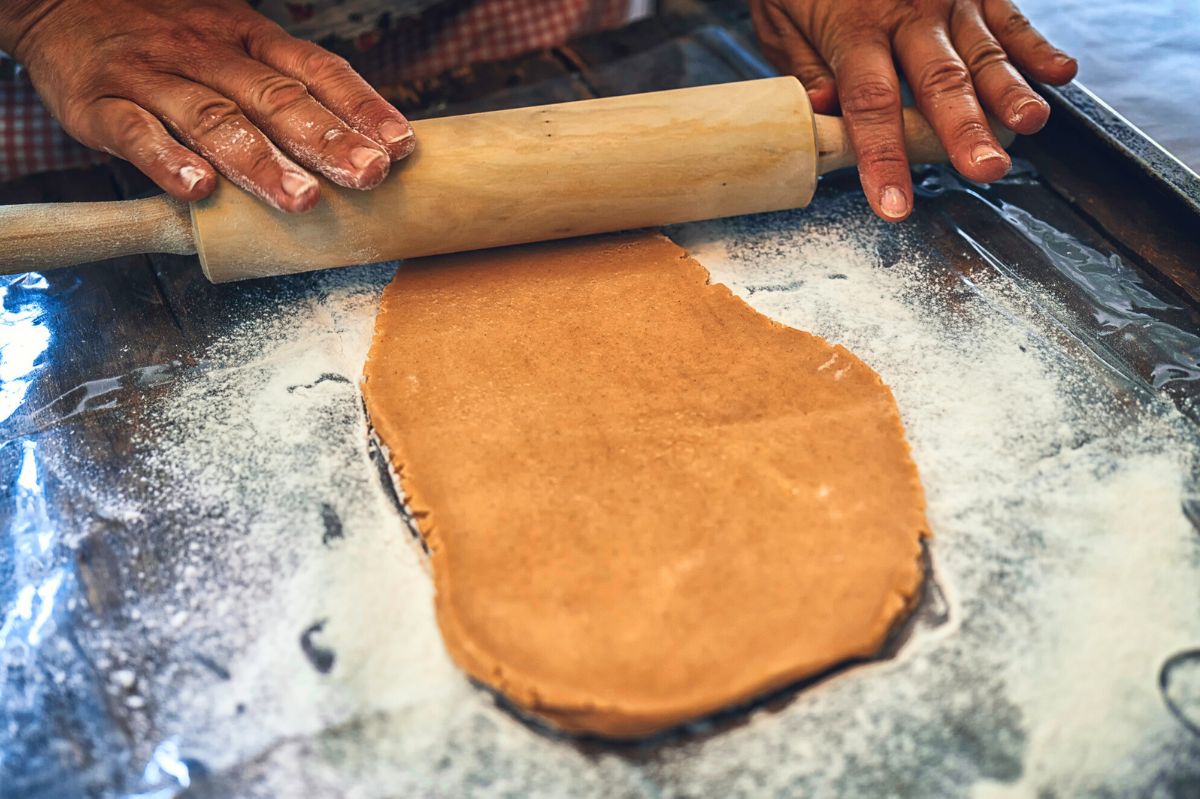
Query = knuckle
x=202 y=17
x=943 y=76
x=1014 y=24
x=882 y=152
x=131 y=128
x=983 y=55
x=259 y=163
x=871 y=96
x=850 y=30
x=277 y=94
x=211 y=115
x=969 y=129
x=179 y=39
x=365 y=107
x=321 y=63
x=257 y=34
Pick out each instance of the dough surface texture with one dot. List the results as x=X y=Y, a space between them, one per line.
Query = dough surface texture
x=644 y=502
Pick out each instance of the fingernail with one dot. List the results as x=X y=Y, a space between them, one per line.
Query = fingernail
x=1063 y=60
x=363 y=157
x=297 y=185
x=984 y=152
x=893 y=203
x=393 y=132
x=190 y=176
x=1024 y=107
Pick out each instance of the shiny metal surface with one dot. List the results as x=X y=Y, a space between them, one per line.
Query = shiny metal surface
x=104 y=633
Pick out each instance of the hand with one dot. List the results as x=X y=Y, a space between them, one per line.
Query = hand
x=959 y=56
x=242 y=96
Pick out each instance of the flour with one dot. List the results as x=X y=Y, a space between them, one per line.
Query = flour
x=190 y=176
x=232 y=142
x=1057 y=491
x=293 y=649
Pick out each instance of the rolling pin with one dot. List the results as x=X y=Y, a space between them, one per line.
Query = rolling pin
x=489 y=180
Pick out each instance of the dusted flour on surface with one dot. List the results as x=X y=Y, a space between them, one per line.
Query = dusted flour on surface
x=292 y=650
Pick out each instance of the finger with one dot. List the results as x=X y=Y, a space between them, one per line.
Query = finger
x=337 y=86
x=282 y=108
x=1028 y=48
x=768 y=38
x=214 y=126
x=943 y=90
x=803 y=61
x=128 y=131
x=1001 y=89
x=869 y=92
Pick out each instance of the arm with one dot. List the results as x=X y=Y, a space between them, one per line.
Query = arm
x=183 y=89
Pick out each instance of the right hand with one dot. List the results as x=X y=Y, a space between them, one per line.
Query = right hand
x=960 y=58
x=240 y=95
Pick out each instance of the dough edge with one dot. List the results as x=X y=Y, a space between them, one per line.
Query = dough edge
x=572 y=711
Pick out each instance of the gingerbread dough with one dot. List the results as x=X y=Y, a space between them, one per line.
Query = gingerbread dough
x=644 y=501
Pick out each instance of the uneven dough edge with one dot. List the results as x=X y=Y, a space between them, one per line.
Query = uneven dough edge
x=577 y=712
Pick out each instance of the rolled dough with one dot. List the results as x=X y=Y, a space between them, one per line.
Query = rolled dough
x=643 y=501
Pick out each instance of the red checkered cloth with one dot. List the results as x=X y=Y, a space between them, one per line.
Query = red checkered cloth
x=479 y=30
x=30 y=140
x=486 y=30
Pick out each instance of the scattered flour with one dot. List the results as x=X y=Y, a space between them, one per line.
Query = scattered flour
x=291 y=648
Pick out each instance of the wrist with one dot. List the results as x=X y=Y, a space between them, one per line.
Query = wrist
x=20 y=20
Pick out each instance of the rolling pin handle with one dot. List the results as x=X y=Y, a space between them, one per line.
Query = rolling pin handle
x=42 y=236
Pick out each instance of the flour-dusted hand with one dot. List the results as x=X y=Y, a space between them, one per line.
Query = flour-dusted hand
x=959 y=56
x=239 y=94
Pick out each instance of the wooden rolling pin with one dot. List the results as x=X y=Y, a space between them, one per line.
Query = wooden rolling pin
x=487 y=180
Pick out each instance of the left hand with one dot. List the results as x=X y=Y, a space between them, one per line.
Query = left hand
x=183 y=89
x=959 y=56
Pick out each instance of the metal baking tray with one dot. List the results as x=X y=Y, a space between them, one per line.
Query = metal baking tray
x=206 y=588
